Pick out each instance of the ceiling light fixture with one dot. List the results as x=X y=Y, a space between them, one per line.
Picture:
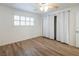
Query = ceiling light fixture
x=44 y=7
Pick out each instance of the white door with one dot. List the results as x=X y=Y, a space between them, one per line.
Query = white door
x=66 y=26
x=44 y=26
x=51 y=26
x=77 y=29
x=47 y=25
x=58 y=27
x=61 y=26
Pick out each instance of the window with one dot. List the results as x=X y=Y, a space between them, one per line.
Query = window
x=27 y=21
x=16 y=20
x=16 y=17
x=22 y=21
x=31 y=21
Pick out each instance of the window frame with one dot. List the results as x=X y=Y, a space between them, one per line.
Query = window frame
x=20 y=20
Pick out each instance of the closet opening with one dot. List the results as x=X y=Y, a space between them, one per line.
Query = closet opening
x=55 y=27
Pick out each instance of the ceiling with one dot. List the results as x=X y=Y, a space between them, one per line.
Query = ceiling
x=35 y=7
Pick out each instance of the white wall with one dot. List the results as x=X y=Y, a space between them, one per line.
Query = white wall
x=73 y=38
x=77 y=28
x=10 y=33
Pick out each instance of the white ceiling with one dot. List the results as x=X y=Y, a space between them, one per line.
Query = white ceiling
x=35 y=7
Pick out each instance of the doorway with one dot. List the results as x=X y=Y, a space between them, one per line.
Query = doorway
x=55 y=26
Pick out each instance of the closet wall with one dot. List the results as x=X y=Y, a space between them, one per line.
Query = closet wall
x=62 y=31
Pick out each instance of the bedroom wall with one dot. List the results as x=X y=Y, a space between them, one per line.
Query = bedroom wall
x=10 y=33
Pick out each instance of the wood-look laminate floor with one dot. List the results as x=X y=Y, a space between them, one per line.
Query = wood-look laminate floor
x=38 y=47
